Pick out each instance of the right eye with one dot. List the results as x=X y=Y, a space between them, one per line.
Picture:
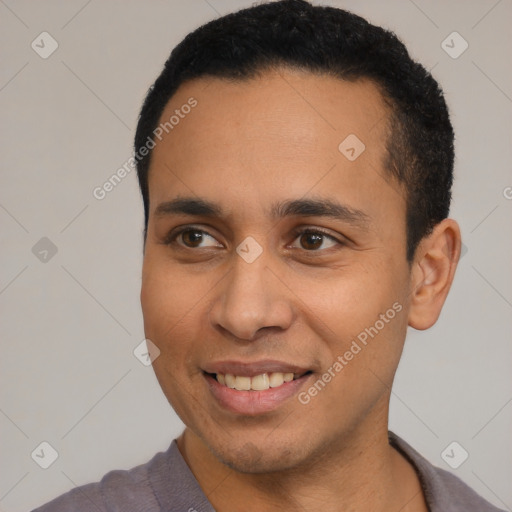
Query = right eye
x=192 y=238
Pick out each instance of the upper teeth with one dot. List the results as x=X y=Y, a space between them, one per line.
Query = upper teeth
x=256 y=383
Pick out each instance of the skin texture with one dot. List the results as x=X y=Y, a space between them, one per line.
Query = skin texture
x=246 y=146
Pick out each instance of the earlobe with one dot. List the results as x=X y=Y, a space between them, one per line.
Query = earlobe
x=432 y=273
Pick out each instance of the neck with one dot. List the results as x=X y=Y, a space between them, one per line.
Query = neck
x=363 y=472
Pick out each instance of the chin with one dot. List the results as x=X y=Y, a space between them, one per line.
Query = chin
x=251 y=459
x=258 y=457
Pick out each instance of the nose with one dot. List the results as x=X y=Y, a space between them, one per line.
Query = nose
x=251 y=299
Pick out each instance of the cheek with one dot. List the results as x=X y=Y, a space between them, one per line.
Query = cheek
x=176 y=301
x=170 y=304
x=166 y=294
x=352 y=298
x=360 y=313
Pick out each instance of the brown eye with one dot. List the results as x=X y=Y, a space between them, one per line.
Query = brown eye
x=192 y=237
x=313 y=240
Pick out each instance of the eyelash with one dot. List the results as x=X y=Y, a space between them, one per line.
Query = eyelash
x=171 y=237
x=297 y=233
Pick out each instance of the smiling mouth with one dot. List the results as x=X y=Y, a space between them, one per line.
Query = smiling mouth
x=259 y=382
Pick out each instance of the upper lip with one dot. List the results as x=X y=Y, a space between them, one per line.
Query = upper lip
x=254 y=368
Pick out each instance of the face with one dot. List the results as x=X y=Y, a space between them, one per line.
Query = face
x=273 y=253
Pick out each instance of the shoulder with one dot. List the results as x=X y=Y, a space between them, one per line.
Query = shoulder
x=458 y=494
x=126 y=490
x=444 y=492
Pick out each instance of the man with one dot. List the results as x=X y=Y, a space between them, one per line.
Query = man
x=296 y=167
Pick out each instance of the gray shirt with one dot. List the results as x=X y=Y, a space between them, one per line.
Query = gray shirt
x=166 y=484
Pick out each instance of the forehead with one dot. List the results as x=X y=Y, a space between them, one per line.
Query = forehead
x=285 y=130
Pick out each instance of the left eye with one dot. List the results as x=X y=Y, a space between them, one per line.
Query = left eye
x=314 y=240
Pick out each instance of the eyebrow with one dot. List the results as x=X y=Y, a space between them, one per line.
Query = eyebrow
x=321 y=208
x=188 y=206
x=292 y=208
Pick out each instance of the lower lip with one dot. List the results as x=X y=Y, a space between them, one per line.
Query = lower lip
x=254 y=402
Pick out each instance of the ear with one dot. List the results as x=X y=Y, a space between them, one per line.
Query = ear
x=432 y=273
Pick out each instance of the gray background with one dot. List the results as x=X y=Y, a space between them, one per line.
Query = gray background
x=70 y=323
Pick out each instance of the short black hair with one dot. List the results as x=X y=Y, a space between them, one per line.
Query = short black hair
x=329 y=41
